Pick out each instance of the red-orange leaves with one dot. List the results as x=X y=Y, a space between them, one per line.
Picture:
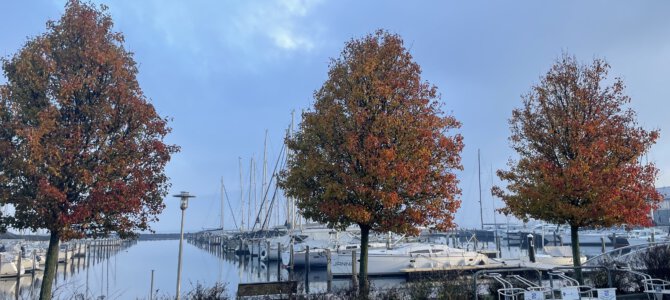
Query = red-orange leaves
x=82 y=148
x=579 y=148
x=374 y=151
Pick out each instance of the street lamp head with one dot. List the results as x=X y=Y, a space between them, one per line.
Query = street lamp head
x=184 y=199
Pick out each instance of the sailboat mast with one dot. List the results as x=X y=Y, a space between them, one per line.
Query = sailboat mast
x=251 y=176
x=264 y=183
x=493 y=200
x=222 y=200
x=293 y=206
x=241 y=195
x=290 y=135
x=479 y=173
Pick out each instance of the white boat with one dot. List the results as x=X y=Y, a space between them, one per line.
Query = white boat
x=557 y=255
x=317 y=257
x=8 y=266
x=64 y=253
x=596 y=237
x=272 y=253
x=317 y=239
x=407 y=256
x=646 y=235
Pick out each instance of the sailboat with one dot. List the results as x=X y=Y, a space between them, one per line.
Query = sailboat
x=408 y=256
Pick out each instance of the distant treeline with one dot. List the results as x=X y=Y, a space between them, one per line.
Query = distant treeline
x=159 y=236
x=142 y=236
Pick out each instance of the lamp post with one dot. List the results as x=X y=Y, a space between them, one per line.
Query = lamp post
x=183 y=205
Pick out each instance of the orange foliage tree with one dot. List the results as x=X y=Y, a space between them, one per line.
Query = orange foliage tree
x=81 y=148
x=374 y=150
x=580 y=151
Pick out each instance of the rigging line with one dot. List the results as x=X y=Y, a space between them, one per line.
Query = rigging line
x=274 y=172
x=274 y=195
x=209 y=210
x=225 y=192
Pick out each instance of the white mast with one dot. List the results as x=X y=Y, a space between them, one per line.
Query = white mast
x=264 y=193
x=290 y=135
x=479 y=173
x=251 y=174
x=493 y=201
x=222 y=203
x=241 y=195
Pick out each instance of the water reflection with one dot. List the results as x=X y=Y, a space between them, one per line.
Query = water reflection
x=125 y=273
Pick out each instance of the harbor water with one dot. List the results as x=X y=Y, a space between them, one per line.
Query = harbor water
x=126 y=273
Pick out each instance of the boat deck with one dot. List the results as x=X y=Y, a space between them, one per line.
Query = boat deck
x=421 y=273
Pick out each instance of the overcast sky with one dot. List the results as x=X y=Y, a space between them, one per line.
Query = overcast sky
x=227 y=71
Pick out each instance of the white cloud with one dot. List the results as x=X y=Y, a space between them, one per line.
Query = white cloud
x=235 y=26
x=281 y=22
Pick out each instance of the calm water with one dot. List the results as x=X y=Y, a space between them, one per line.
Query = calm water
x=126 y=274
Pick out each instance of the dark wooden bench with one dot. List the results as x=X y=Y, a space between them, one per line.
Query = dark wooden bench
x=282 y=288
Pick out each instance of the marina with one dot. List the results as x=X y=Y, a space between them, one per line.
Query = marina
x=124 y=270
x=292 y=149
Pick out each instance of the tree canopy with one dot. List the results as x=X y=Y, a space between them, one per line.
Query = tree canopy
x=374 y=150
x=580 y=151
x=82 y=151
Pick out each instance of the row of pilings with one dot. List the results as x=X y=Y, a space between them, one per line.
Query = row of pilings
x=74 y=257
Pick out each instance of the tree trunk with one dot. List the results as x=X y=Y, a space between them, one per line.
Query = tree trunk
x=50 y=266
x=363 y=272
x=576 y=261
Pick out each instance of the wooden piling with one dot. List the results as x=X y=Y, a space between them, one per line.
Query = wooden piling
x=329 y=274
x=354 y=283
x=279 y=261
x=34 y=263
x=18 y=266
x=292 y=262
x=498 y=247
x=307 y=269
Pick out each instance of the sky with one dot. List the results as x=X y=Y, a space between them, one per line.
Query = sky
x=227 y=72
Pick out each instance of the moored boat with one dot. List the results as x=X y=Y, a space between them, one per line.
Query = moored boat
x=407 y=256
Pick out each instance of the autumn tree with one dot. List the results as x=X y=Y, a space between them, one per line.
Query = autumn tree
x=81 y=147
x=374 y=150
x=579 y=149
